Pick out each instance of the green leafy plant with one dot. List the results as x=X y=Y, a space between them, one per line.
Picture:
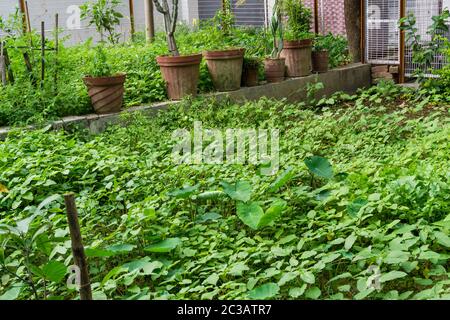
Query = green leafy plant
x=296 y=20
x=225 y=18
x=100 y=67
x=154 y=229
x=276 y=29
x=337 y=47
x=104 y=15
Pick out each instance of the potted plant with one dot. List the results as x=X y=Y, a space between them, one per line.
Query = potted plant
x=250 y=71
x=105 y=87
x=297 y=40
x=274 y=66
x=225 y=66
x=180 y=72
x=320 y=57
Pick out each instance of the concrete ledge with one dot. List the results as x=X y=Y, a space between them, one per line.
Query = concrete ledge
x=348 y=78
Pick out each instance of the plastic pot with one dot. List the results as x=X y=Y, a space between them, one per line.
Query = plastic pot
x=106 y=92
x=225 y=68
x=181 y=74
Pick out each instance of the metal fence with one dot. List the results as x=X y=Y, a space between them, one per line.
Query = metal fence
x=382 y=33
x=423 y=11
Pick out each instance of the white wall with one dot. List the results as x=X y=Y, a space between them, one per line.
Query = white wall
x=45 y=10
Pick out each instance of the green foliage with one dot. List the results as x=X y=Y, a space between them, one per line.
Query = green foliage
x=424 y=52
x=337 y=47
x=25 y=103
x=157 y=230
x=104 y=15
x=100 y=67
x=225 y=18
x=296 y=20
x=276 y=29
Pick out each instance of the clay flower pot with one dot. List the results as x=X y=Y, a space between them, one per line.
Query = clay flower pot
x=298 y=57
x=274 y=69
x=225 y=68
x=106 y=92
x=249 y=76
x=181 y=74
x=320 y=61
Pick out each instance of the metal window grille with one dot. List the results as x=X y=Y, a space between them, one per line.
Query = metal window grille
x=423 y=10
x=382 y=32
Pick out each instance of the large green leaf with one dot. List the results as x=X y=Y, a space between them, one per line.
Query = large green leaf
x=265 y=291
x=319 y=166
x=272 y=214
x=54 y=271
x=239 y=191
x=250 y=214
x=183 y=192
x=355 y=207
x=442 y=239
x=12 y=293
x=166 y=245
x=254 y=216
x=392 y=276
x=282 y=179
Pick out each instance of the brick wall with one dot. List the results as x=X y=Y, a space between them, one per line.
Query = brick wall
x=331 y=15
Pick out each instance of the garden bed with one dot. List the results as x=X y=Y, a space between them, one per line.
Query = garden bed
x=348 y=79
x=155 y=229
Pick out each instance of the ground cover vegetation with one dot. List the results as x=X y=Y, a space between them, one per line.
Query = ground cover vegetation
x=348 y=202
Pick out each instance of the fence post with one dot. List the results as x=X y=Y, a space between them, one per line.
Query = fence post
x=401 y=69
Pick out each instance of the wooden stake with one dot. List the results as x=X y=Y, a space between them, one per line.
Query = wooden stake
x=131 y=4
x=149 y=21
x=24 y=17
x=56 y=50
x=8 y=65
x=316 y=16
x=28 y=16
x=2 y=65
x=77 y=246
x=42 y=53
x=26 y=57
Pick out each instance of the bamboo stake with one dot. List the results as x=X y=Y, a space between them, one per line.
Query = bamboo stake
x=56 y=50
x=77 y=246
x=26 y=57
x=28 y=17
x=2 y=65
x=8 y=65
x=24 y=18
x=316 y=16
x=131 y=4
x=42 y=53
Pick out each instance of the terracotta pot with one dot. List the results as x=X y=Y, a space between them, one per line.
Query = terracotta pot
x=320 y=61
x=274 y=69
x=249 y=76
x=106 y=93
x=181 y=74
x=298 y=57
x=225 y=68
